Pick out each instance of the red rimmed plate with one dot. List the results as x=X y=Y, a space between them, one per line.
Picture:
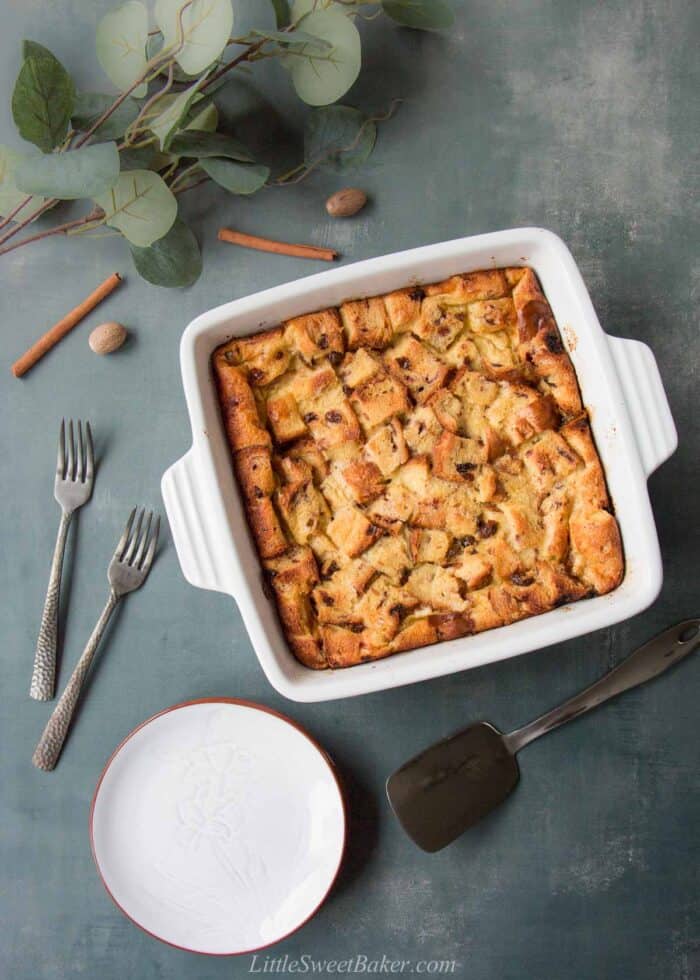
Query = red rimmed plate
x=218 y=826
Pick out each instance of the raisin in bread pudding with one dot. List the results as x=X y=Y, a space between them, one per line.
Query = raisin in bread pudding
x=417 y=466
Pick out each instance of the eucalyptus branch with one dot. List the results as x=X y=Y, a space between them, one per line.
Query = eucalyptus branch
x=169 y=170
x=138 y=146
x=81 y=142
x=204 y=49
x=247 y=55
x=243 y=56
x=23 y=224
x=183 y=173
x=56 y=230
x=290 y=177
x=90 y=225
x=108 y=112
x=15 y=211
x=133 y=127
x=158 y=61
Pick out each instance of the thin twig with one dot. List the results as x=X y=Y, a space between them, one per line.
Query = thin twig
x=23 y=224
x=183 y=173
x=57 y=230
x=134 y=126
x=243 y=56
x=188 y=187
x=137 y=146
x=107 y=113
x=15 y=211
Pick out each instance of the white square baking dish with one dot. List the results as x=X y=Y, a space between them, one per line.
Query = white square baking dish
x=621 y=388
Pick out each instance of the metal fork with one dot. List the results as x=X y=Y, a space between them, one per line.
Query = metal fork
x=128 y=570
x=72 y=488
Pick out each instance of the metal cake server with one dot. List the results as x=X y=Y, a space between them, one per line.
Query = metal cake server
x=447 y=788
x=72 y=488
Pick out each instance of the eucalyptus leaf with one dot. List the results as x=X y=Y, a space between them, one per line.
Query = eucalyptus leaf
x=87 y=172
x=89 y=106
x=200 y=145
x=197 y=120
x=42 y=101
x=140 y=205
x=323 y=77
x=202 y=114
x=283 y=15
x=422 y=15
x=174 y=260
x=137 y=158
x=121 y=45
x=205 y=120
x=202 y=110
x=10 y=194
x=206 y=28
x=238 y=178
x=300 y=8
x=30 y=48
x=174 y=109
x=196 y=110
x=159 y=161
x=340 y=135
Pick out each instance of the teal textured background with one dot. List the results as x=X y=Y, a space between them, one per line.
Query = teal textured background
x=576 y=115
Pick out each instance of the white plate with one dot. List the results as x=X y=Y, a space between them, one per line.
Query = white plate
x=218 y=826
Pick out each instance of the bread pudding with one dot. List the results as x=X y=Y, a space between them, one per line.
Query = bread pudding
x=417 y=466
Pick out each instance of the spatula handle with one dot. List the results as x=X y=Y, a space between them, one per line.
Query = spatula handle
x=647 y=662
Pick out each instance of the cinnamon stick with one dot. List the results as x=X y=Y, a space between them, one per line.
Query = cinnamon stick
x=60 y=329
x=279 y=248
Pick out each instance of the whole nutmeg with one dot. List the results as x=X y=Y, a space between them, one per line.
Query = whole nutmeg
x=107 y=338
x=345 y=203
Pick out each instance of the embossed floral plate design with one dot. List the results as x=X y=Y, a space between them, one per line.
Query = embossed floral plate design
x=218 y=826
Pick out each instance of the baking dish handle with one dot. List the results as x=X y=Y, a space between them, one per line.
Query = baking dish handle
x=643 y=390
x=191 y=531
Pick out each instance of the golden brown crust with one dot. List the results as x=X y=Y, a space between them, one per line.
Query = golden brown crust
x=253 y=467
x=264 y=356
x=403 y=307
x=238 y=407
x=540 y=344
x=315 y=335
x=417 y=467
x=366 y=323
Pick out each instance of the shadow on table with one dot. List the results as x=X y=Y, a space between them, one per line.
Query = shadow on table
x=362 y=828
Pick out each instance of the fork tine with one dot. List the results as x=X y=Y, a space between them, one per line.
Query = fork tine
x=70 y=470
x=61 y=461
x=145 y=565
x=138 y=557
x=131 y=551
x=90 y=454
x=80 y=446
x=125 y=537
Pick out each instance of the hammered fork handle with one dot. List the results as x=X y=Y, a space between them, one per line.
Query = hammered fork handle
x=44 y=671
x=51 y=742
